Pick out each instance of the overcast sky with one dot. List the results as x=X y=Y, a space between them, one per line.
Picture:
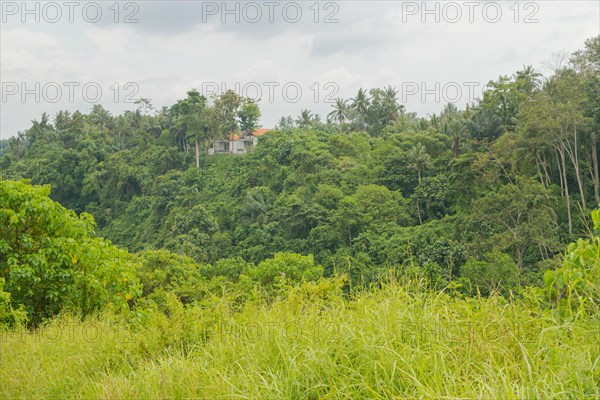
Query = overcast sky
x=293 y=55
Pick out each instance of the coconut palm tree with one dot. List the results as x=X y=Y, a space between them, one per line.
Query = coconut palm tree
x=100 y=117
x=360 y=104
x=284 y=122
x=419 y=159
x=531 y=79
x=305 y=119
x=390 y=105
x=340 y=112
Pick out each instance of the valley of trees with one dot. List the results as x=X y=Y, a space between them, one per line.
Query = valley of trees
x=488 y=211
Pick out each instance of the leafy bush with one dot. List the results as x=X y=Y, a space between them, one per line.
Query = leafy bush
x=9 y=317
x=575 y=286
x=161 y=271
x=51 y=260
x=230 y=268
x=495 y=273
x=288 y=267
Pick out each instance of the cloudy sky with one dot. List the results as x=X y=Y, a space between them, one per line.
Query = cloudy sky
x=291 y=55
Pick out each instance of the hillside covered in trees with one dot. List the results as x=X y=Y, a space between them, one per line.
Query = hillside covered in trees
x=516 y=173
x=356 y=220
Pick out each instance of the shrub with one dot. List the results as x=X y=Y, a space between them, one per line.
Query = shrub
x=290 y=267
x=495 y=273
x=575 y=286
x=161 y=271
x=50 y=258
x=9 y=317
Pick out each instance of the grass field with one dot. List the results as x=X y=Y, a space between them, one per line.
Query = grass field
x=398 y=342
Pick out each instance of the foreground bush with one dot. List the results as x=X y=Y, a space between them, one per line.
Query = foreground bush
x=574 y=288
x=51 y=260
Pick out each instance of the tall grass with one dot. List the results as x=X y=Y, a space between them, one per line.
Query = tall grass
x=397 y=342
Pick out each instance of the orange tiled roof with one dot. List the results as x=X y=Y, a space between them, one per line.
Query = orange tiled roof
x=260 y=131
x=257 y=132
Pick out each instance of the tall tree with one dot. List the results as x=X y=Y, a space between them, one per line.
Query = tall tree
x=360 y=104
x=587 y=64
x=419 y=159
x=192 y=120
x=226 y=107
x=517 y=218
x=529 y=79
x=305 y=119
x=339 y=113
x=248 y=115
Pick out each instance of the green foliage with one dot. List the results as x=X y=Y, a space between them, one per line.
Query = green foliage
x=162 y=272
x=189 y=232
x=9 y=317
x=50 y=259
x=248 y=115
x=575 y=286
x=431 y=197
x=229 y=268
x=286 y=268
x=518 y=218
x=495 y=273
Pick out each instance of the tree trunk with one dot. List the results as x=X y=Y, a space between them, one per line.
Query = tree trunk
x=519 y=252
x=595 y=168
x=197 y=155
x=574 y=157
x=455 y=146
x=419 y=213
x=539 y=169
x=560 y=176
x=566 y=186
x=542 y=253
x=578 y=173
x=544 y=165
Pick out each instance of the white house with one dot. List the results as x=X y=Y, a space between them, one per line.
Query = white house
x=237 y=144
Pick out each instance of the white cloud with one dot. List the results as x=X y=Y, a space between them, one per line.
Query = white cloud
x=21 y=48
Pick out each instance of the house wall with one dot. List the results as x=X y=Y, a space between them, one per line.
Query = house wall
x=240 y=146
x=237 y=147
x=219 y=147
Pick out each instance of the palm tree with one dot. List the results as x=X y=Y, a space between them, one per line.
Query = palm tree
x=452 y=123
x=419 y=158
x=390 y=104
x=62 y=120
x=121 y=128
x=361 y=105
x=340 y=112
x=145 y=105
x=284 y=122
x=531 y=79
x=100 y=117
x=305 y=119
